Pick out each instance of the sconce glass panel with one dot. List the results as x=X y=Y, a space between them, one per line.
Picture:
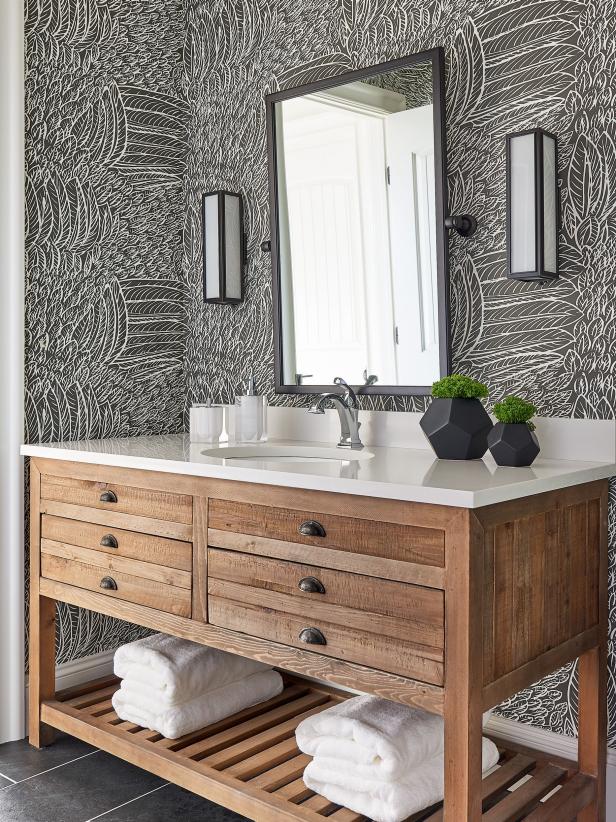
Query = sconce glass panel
x=223 y=247
x=532 y=206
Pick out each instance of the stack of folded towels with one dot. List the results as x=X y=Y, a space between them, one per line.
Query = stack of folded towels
x=377 y=757
x=174 y=686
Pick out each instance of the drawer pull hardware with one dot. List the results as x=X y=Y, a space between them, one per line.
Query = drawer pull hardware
x=108 y=496
x=311 y=585
x=312 y=636
x=109 y=584
x=311 y=528
x=109 y=541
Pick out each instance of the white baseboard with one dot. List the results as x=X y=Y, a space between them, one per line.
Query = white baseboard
x=79 y=671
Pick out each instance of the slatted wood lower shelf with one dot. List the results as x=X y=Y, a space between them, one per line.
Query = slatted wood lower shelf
x=250 y=762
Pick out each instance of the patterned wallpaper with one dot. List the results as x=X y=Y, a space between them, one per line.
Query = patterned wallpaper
x=135 y=109
x=105 y=303
x=512 y=64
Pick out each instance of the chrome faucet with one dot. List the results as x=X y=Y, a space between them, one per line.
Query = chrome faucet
x=348 y=409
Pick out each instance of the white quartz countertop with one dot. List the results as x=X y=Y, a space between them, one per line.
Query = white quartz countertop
x=410 y=474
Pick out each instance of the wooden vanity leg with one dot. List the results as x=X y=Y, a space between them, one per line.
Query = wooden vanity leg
x=463 y=670
x=42 y=645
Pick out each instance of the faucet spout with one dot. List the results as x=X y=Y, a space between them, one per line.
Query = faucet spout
x=347 y=407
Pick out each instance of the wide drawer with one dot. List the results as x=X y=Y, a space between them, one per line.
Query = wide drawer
x=382 y=624
x=124 y=499
x=144 y=583
x=118 y=542
x=385 y=540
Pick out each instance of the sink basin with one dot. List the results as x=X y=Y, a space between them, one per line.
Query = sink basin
x=286 y=453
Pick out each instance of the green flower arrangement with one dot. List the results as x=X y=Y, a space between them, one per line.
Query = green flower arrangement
x=458 y=386
x=515 y=410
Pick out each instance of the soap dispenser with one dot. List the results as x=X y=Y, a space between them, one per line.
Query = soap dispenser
x=250 y=421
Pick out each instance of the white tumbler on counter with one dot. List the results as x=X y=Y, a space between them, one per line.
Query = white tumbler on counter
x=206 y=422
x=250 y=415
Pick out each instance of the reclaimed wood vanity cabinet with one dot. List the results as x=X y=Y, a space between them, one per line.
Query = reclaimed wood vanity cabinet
x=446 y=608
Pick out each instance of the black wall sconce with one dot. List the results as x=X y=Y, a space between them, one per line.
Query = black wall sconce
x=224 y=247
x=533 y=207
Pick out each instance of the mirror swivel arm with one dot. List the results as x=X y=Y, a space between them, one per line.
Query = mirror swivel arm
x=464 y=224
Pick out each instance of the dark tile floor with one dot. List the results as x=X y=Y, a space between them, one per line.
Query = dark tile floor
x=73 y=782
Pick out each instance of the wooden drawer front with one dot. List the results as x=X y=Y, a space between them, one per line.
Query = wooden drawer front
x=130 y=544
x=385 y=625
x=141 y=502
x=165 y=589
x=388 y=540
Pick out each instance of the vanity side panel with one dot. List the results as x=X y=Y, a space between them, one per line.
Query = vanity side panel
x=541 y=586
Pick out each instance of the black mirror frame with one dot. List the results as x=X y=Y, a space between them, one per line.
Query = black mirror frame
x=437 y=58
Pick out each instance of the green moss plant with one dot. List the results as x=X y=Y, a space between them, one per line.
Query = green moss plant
x=458 y=386
x=515 y=410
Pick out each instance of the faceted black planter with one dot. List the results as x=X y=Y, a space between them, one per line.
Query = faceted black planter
x=513 y=444
x=457 y=428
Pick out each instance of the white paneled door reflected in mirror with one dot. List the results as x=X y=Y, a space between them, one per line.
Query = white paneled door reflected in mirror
x=358 y=253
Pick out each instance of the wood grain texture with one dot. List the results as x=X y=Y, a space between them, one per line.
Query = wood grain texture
x=142 y=502
x=199 y=559
x=463 y=669
x=133 y=588
x=113 y=519
x=119 y=564
x=348 y=674
x=343 y=641
x=42 y=669
x=427 y=575
x=401 y=604
x=541 y=580
x=132 y=544
x=405 y=543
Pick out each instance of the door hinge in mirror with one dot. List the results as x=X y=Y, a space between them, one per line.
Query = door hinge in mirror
x=388 y=175
x=396 y=338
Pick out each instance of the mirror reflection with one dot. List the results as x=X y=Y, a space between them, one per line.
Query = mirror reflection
x=359 y=294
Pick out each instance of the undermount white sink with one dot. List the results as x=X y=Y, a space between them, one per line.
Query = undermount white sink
x=286 y=453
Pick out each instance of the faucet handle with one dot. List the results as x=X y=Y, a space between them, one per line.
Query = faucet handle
x=349 y=395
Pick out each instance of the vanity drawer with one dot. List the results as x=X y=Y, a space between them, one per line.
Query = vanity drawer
x=143 y=583
x=118 y=542
x=123 y=499
x=383 y=540
x=386 y=625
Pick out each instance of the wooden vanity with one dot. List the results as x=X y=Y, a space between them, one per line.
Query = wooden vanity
x=447 y=608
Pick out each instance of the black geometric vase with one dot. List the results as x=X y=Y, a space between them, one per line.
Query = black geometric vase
x=513 y=444
x=457 y=428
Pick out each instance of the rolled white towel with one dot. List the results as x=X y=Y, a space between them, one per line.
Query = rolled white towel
x=178 y=670
x=372 y=737
x=386 y=801
x=177 y=720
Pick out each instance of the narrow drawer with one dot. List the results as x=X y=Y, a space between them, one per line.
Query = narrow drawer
x=118 y=542
x=386 y=625
x=386 y=540
x=143 y=583
x=124 y=499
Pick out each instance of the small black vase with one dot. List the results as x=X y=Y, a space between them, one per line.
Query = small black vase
x=513 y=444
x=457 y=428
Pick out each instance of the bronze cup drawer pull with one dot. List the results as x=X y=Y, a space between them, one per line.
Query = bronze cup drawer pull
x=108 y=496
x=311 y=585
x=312 y=636
x=109 y=584
x=109 y=541
x=311 y=528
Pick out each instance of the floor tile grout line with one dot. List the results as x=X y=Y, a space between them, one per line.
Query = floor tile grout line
x=4 y=776
x=49 y=770
x=124 y=804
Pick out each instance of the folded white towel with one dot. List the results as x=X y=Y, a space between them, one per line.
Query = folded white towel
x=203 y=710
x=384 y=800
x=372 y=737
x=177 y=670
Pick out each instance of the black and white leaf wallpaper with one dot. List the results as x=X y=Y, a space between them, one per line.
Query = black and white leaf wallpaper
x=135 y=109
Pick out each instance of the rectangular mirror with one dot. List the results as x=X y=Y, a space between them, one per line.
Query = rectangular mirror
x=359 y=254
